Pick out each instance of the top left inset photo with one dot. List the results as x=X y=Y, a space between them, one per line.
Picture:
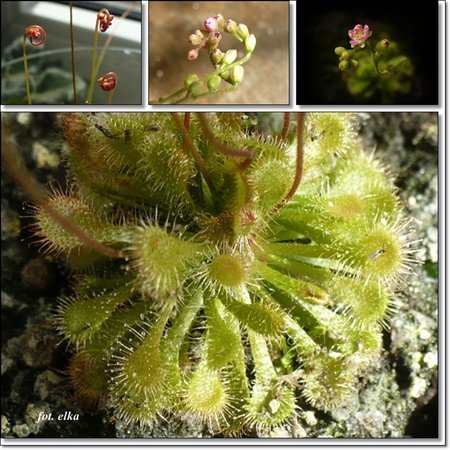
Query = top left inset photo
x=71 y=53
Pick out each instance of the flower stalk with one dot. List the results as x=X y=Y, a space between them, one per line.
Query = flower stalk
x=36 y=35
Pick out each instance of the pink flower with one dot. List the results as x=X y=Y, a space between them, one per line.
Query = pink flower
x=359 y=35
x=210 y=24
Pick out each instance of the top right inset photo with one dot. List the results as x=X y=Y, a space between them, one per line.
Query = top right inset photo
x=384 y=52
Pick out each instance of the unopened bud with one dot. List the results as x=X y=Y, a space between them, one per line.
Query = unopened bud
x=213 y=83
x=382 y=46
x=193 y=54
x=339 y=50
x=220 y=20
x=195 y=89
x=200 y=33
x=230 y=56
x=214 y=39
x=250 y=43
x=346 y=55
x=242 y=31
x=195 y=39
x=210 y=24
x=216 y=56
x=230 y=26
x=236 y=75
x=192 y=78
x=354 y=62
x=343 y=65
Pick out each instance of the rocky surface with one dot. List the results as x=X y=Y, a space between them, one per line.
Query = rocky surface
x=397 y=398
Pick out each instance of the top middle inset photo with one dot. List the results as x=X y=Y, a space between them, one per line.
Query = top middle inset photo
x=224 y=52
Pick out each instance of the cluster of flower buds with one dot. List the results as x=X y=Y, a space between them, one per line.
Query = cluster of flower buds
x=209 y=38
x=346 y=60
x=359 y=36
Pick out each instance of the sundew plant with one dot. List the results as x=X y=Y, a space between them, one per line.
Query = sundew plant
x=221 y=275
x=374 y=71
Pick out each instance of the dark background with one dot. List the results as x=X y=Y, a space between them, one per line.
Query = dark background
x=323 y=25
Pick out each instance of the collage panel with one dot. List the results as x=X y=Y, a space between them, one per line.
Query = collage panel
x=71 y=53
x=367 y=53
x=221 y=52
x=230 y=275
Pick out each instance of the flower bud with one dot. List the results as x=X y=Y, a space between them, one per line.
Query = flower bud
x=214 y=39
x=343 y=65
x=354 y=62
x=382 y=46
x=242 y=31
x=236 y=75
x=230 y=56
x=108 y=82
x=220 y=20
x=210 y=24
x=195 y=89
x=346 y=55
x=193 y=54
x=190 y=79
x=339 y=50
x=200 y=33
x=250 y=43
x=216 y=56
x=213 y=83
x=225 y=75
x=230 y=26
x=195 y=39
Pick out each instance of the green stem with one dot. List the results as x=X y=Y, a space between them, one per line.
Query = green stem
x=25 y=69
x=203 y=80
x=196 y=155
x=207 y=94
x=93 y=65
x=372 y=60
x=110 y=96
x=72 y=52
x=110 y=38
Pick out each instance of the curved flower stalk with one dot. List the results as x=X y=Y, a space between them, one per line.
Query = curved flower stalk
x=103 y=20
x=108 y=83
x=226 y=65
x=256 y=272
x=36 y=35
x=370 y=69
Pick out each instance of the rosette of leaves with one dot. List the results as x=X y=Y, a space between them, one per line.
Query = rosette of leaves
x=230 y=292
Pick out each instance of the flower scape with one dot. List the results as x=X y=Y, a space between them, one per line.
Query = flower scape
x=223 y=276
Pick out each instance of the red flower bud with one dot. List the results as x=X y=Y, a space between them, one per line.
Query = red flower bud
x=108 y=82
x=36 y=35
x=104 y=19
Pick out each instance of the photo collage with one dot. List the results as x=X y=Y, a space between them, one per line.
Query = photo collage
x=223 y=223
